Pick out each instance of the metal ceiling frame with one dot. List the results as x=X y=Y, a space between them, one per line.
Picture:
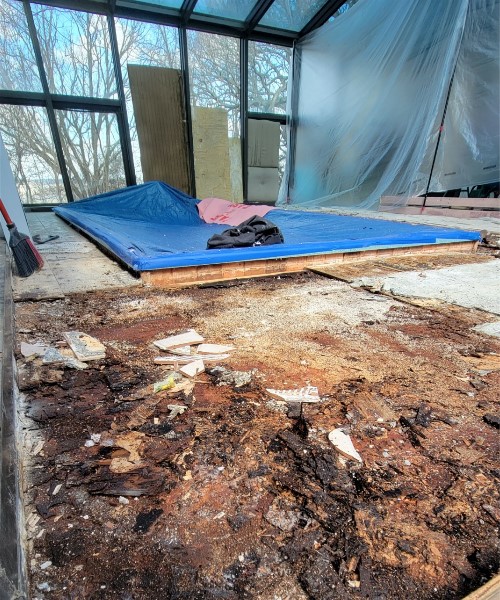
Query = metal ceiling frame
x=322 y=16
x=183 y=17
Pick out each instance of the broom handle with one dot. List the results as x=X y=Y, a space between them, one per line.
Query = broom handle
x=5 y=214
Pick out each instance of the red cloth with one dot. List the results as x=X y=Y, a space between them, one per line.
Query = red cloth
x=215 y=210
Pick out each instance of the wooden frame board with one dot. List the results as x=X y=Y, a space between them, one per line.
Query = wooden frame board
x=187 y=276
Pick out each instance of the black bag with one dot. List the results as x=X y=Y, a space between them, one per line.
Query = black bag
x=255 y=231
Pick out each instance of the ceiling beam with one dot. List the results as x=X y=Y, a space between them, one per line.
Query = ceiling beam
x=101 y=8
x=256 y=14
x=322 y=16
x=187 y=9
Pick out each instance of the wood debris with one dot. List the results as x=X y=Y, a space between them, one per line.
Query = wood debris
x=142 y=413
x=131 y=442
x=175 y=409
x=307 y=394
x=85 y=346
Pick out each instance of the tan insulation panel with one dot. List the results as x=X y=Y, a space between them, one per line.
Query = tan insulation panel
x=158 y=104
x=211 y=153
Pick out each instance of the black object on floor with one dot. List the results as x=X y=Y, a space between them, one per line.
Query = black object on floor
x=38 y=239
x=255 y=231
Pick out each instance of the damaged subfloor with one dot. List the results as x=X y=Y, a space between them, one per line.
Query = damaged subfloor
x=241 y=496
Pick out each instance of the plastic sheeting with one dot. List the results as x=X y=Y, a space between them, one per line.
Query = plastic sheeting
x=468 y=152
x=369 y=96
x=154 y=226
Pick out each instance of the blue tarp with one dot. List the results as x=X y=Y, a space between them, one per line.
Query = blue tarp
x=154 y=226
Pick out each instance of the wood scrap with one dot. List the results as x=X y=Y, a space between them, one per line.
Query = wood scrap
x=184 y=360
x=214 y=349
x=131 y=442
x=187 y=338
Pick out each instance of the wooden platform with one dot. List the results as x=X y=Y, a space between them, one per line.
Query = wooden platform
x=187 y=276
x=471 y=208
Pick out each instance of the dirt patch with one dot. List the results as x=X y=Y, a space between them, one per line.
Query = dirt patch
x=238 y=496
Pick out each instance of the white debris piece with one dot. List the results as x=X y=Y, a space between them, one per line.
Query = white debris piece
x=214 y=349
x=57 y=489
x=28 y=350
x=343 y=444
x=192 y=369
x=176 y=409
x=46 y=565
x=43 y=587
x=307 y=394
x=181 y=350
x=187 y=338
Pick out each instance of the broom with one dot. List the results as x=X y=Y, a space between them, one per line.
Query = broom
x=26 y=256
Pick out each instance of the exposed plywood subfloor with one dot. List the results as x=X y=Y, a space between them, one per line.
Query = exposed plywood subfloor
x=72 y=264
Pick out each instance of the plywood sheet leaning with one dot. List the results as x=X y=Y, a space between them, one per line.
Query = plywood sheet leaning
x=161 y=124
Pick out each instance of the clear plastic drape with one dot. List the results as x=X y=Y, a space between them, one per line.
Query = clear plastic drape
x=468 y=152
x=369 y=95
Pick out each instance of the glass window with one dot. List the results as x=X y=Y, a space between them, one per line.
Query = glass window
x=268 y=68
x=144 y=44
x=32 y=155
x=291 y=14
x=238 y=10
x=18 y=70
x=214 y=69
x=76 y=52
x=91 y=146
